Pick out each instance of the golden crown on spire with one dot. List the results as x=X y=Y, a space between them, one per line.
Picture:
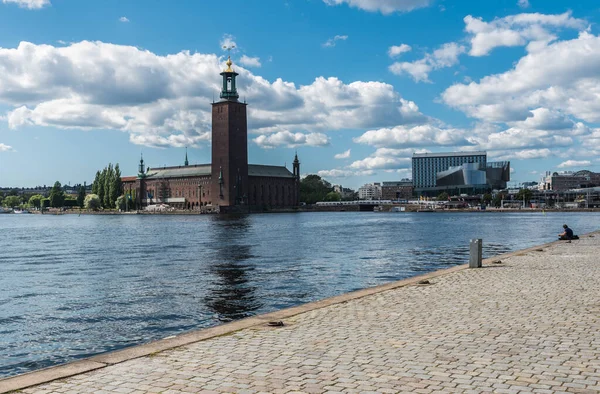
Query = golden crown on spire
x=229 y=63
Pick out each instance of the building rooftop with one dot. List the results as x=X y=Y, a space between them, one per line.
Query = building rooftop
x=450 y=154
x=205 y=170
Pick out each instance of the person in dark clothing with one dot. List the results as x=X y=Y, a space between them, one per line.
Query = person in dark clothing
x=567 y=235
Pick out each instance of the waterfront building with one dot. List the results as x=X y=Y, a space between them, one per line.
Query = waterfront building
x=344 y=192
x=566 y=180
x=228 y=183
x=457 y=173
x=397 y=190
x=370 y=191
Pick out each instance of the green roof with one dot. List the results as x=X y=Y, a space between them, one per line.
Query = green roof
x=205 y=169
x=178 y=172
x=269 y=171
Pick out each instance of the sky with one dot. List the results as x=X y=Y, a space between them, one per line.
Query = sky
x=354 y=86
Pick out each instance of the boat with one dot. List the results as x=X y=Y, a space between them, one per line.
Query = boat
x=398 y=209
x=5 y=210
x=21 y=211
x=426 y=210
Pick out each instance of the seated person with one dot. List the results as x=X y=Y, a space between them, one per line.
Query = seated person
x=567 y=235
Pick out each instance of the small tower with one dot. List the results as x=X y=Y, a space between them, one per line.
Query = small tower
x=186 y=162
x=296 y=167
x=141 y=168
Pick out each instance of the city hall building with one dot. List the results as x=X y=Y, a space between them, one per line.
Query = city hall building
x=228 y=183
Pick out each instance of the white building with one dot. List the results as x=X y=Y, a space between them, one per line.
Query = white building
x=370 y=191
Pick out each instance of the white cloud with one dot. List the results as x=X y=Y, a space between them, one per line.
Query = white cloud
x=250 y=61
x=396 y=50
x=410 y=136
x=383 y=6
x=574 y=163
x=525 y=154
x=291 y=140
x=517 y=30
x=523 y=3
x=343 y=155
x=123 y=19
x=333 y=41
x=339 y=173
x=228 y=41
x=30 y=4
x=540 y=79
x=5 y=148
x=445 y=56
x=165 y=100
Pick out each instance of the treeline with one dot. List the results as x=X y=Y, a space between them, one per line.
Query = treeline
x=108 y=186
x=313 y=188
x=57 y=198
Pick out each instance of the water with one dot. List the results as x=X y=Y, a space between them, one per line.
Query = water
x=71 y=286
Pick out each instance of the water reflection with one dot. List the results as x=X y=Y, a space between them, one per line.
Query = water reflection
x=231 y=294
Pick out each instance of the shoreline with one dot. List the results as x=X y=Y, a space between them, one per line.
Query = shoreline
x=104 y=360
x=413 y=209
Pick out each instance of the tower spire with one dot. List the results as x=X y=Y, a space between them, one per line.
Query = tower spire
x=229 y=91
x=186 y=162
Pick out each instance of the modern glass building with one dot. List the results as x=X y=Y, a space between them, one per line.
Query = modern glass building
x=457 y=173
x=425 y=166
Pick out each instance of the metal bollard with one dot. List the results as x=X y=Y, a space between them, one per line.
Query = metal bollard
x=475 y=253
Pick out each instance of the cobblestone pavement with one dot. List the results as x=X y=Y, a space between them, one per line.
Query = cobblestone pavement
x=530 y=324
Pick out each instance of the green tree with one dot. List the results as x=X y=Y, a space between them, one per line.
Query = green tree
x=498 y=200
x=12 y=201
x=313 y=188
x=92 y=201
x=443 y=196
x=101 y=186
x=487 y=198
x=108 y=180
x=116 y=186
x=57 y=196
x=524 y=194
x=96 y=183
x=81 y=196
x=120 y=203
x=36 y=200
x=333 y=196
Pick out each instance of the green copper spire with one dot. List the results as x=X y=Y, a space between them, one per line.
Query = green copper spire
x=229 y=91
x=186 y=162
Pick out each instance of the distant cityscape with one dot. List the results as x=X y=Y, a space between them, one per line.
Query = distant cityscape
x=451 y=175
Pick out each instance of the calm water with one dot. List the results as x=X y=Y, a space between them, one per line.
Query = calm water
x=71 y=286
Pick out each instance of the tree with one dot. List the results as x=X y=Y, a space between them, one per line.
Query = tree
x=116 y=186
x=81 y=196
x=443 y=196
x=120 y=203
x=96 y=183
x=487 y=198
x=108 y=203
x=333 y=196
x=313 y=188
x=524 y=194
x=57 y=196
x=92 y=201
x=36 y=200
x=101 y=186
x=498 y=200
x=12 y=201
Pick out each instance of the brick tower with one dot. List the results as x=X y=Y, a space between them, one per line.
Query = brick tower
x=229 y=146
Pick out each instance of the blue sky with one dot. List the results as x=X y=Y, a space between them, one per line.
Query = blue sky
x=355 y=86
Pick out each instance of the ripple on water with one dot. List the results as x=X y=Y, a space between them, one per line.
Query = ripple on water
x=75 y=286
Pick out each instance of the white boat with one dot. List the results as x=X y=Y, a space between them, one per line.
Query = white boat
x=398 y=209
x=21 y=211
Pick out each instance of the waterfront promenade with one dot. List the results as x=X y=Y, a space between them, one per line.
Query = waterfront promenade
x=528 y=324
